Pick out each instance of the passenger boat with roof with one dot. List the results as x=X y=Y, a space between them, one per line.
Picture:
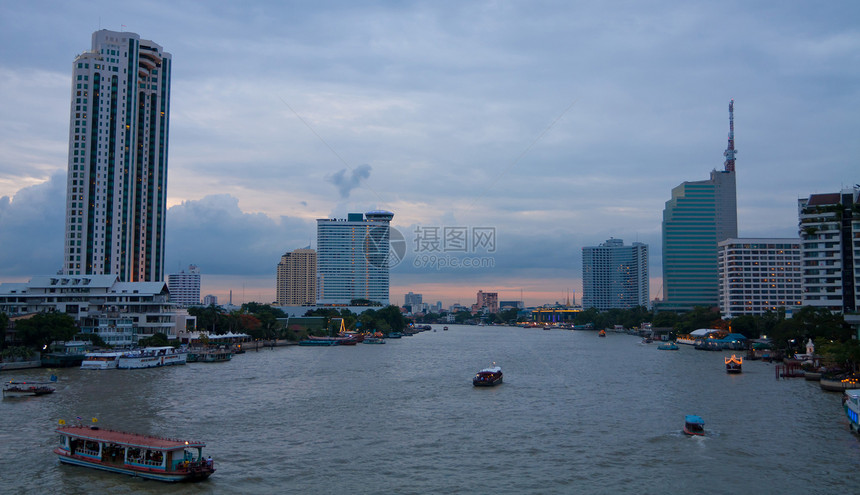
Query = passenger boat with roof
x=488 y=377
x=101 y=360
x=152 y=357
x=157 y=458
x=668 y=346
x=26 y=389
x=851 y=403
x=601 y=333
x=734 y=364
x=694 y=425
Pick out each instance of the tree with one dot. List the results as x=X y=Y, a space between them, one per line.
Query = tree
x=157 y=340
x=4 y=323
x=43 y=328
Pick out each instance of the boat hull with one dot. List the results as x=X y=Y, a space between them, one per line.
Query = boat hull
x=153 y=474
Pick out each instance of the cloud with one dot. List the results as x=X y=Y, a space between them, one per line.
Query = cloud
x=345 y=183
x=32 y=223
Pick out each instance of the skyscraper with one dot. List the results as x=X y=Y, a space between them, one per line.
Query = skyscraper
x=352 y=258
x=829 y=227
x=698 y=216
x=615 y=275
x=184 y=286
x=117 y=181
x=297 y=278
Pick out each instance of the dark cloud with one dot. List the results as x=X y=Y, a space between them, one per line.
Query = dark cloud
x=31 y=229
x=346 y=181
x=216 y=235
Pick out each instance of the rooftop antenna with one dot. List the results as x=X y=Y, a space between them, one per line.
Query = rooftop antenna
x=730 y=149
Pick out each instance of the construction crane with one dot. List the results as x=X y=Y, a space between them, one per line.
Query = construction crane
x=730 y=150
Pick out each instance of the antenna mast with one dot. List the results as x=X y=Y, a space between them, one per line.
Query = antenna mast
x=730 y=149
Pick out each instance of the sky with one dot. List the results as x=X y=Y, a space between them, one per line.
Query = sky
x=536 y=128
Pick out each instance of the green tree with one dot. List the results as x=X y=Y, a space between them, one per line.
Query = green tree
x=4 y=324
x=43 y=328
x=157 y=340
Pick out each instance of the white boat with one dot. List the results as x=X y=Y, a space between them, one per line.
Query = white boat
x=25 y=389
x=851 y=403
x=152 y=357
x=100 y=360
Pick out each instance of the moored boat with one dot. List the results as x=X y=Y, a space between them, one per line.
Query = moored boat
x=694 y=425
x=134 y=454
x=668 y=346
x=26 y=389
x=851 y=403
x=101 y=360
x=373 y=340
x=734 y=364
x=488 y=377
x=152 y=357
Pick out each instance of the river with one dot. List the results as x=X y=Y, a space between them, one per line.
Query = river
x=575 y=414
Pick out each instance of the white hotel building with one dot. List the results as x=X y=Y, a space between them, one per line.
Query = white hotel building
x=758 y=275
x=117 y=180
x=615 y=275
x=352 y=258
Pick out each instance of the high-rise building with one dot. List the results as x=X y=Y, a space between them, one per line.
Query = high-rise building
x=698 y=216
x=488 y=300
x=117 y=180
x=297 y=278
x=210 y=299
x=829 y=227
x=353 y=258
x=758 y=275
x=615 y=275
x=413 y=301
x=184 y=286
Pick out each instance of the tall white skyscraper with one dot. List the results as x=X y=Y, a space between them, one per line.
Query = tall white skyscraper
x=615 y=275
x=117 y=181
x=759 y=275
x=352 y=258
x=184 y=286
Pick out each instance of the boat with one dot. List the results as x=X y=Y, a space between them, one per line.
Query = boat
x=101 y=360
x=647 y=340
x=26 y=389
x=152 y=357
x=157 y=458
x=209 y=356
x=444 y=329
x=851 y=403
x=373 y=340
x=601 y=333
x=488 y=377
x=694 y=425
x=668 y=346
x=733 y=364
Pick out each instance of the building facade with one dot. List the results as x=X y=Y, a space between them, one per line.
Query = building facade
x=120 y=312
x=759 y=275
x=415 y=302
x=699 y=215
x=297 y=278
x=185 y=287
x=829 y=228
x=615 y=276
x=117 y=178
x=353 y=258
x=488 y=301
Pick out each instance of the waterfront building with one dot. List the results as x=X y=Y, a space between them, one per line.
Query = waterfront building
x=116 y=193
x=488 y=301
x=699 y=215
x=615 y=275
x=758 y=275
x=414 y=302
x=185 y=287
x=353 y=258
x=98 y=303
x=829 y=228
x=297 y=278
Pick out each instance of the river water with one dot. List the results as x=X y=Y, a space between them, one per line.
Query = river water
x=576 y=414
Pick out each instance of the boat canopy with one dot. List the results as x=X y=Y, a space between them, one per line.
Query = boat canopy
x=693 y=419
x=703 y=332
x=495 y=369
